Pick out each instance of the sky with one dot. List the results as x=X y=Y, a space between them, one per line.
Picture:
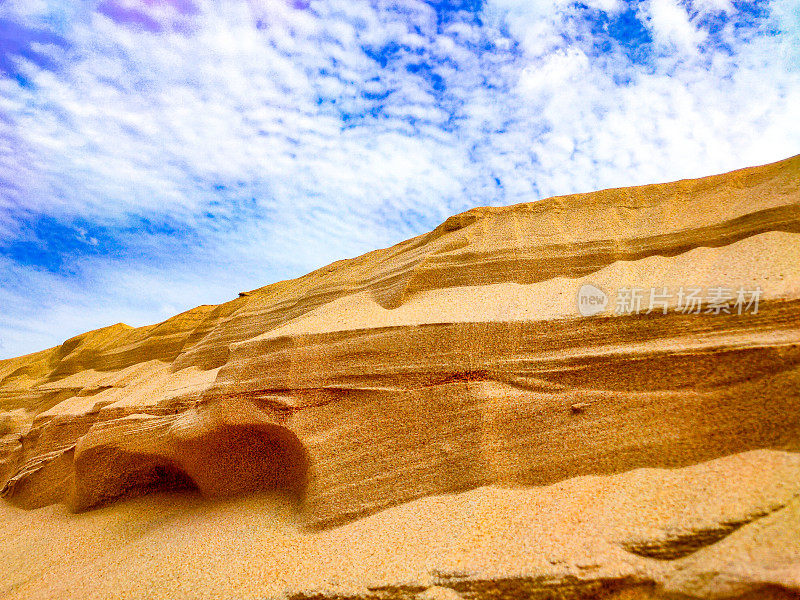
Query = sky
x=160 y=154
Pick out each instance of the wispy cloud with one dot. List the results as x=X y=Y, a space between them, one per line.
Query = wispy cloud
x=158 y=154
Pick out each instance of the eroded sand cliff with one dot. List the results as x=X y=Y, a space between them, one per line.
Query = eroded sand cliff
x=655 y=449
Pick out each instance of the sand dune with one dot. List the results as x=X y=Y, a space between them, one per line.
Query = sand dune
x=457 y=362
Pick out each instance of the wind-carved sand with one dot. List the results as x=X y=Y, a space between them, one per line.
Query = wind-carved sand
x=437 y=420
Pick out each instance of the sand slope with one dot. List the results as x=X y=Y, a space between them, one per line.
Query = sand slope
x=587 y=537
x=453 y=361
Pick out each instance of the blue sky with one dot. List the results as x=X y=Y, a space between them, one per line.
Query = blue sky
x=160 y=154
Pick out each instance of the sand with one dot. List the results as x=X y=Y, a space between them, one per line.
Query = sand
x=438 y=418
x=584 y=529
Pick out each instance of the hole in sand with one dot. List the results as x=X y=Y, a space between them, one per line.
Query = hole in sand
x=104 y=475
x=228 y=461
x=234 y=460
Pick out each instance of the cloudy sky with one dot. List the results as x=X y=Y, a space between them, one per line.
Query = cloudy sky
x=160 y=154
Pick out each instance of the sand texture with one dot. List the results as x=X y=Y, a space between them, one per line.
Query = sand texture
x=438 y=419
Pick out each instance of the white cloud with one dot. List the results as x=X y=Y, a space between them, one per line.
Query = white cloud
x=670 y=24
x=786 y=15
x=559 y=69
x=714 y=6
